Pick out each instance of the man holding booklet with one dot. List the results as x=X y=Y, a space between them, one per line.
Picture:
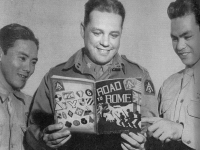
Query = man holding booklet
x=98 y=60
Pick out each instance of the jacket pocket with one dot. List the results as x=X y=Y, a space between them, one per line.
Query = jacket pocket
x=193 y=109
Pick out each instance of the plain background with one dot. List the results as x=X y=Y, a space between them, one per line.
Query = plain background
x=56 y=23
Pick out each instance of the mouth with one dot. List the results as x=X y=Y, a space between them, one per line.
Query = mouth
x=183 y=54
x=24 y=77
x=104 y=51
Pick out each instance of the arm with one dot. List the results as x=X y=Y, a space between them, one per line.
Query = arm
x=149 y=108
x=42 y=132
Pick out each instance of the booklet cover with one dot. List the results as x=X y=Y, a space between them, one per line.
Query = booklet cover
x=101 y=107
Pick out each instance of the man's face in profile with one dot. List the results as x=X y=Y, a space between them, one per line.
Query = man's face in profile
x=102 y=36
x=19 y=63
x=185 y=34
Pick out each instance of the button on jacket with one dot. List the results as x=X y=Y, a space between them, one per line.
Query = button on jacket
x=77 y=67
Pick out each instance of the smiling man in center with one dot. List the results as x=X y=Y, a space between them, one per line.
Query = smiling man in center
x=98 y=60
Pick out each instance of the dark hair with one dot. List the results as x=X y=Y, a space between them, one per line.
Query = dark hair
x=12 y=32
x=113 y=6
x=180 y=8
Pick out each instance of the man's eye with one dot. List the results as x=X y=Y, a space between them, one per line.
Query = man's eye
x=174 y=39
x=96 y=33
x=114 y=36
x=34 y=62
x=187 y=37
x=22 y=58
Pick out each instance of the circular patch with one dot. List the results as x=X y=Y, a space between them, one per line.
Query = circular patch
x=58 y=98
x=88 y=92
x=68 y=124
x=76 y=122
x=83 y=121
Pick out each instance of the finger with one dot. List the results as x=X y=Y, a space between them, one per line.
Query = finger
x=163 y=137
x=131 y=140
x=57 y=135
x=61 y=142
x=158 y=133
x=150 y=119
x=53 y=128
x=127 y=146
x=123 y=146
x=167 y=140
x=139 y=138
x=154 y=127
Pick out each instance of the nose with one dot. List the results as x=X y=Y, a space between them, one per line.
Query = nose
x=105 y=41
x=27 y=67
x=180 y=44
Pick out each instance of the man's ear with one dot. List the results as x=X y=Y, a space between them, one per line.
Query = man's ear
x=82 y=29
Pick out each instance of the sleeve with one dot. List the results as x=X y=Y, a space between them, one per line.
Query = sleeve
x=190 y=136
x=149 y=103
x=41 y=114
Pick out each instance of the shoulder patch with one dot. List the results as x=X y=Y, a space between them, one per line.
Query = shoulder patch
x=149 y=88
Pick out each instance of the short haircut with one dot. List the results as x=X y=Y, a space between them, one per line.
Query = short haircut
x=12 y=32
x=180 y=8
x=110 y=6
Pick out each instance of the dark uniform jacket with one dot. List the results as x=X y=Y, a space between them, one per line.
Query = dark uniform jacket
x=43 y=104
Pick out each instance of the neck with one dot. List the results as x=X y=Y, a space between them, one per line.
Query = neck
x=4 y=83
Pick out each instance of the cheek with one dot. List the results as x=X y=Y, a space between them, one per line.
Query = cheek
x=32 y=70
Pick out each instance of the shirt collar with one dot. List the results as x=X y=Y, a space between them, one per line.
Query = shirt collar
x=80 y=64
x=196 y=72
x=4 y=93
x=196 y=68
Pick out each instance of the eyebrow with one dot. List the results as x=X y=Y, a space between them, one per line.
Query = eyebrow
x=182 y=35
x=103 y=31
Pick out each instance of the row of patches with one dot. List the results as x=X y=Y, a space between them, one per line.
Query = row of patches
x=129 y=84
x=71 y=95
x=82 y=121
x=73 y=103
x=80 y=112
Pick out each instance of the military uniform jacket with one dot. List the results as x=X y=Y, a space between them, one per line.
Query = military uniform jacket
x=43 y=107
x=181 y=104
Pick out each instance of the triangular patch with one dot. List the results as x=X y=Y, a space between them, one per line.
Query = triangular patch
x=59 y=86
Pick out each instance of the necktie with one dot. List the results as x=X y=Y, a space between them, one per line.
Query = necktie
x=188 y=74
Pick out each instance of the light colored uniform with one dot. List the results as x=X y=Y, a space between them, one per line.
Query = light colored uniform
x=14 y=107
x=179 y=101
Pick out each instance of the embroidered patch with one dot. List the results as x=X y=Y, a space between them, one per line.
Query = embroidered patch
x=83 y=121
x=64 y=115
x=88 y=92
x=70 y=113
x=68 y=124
x=68 y=95
x=76 y=122
x=58 y=98
x=149 y=88
x=79 y=111
x=59 y=86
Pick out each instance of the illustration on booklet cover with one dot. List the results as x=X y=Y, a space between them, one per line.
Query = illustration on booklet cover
x=108 y=106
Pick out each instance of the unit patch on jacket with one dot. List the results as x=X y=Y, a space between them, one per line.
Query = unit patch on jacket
x=149 y=88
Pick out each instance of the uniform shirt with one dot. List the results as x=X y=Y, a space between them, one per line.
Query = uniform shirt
x=13 y=116
x=179 y=101
x=77 y=67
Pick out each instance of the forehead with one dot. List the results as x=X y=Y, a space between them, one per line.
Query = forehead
x=184 y=24
x=105 y=20
x=27 y=47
